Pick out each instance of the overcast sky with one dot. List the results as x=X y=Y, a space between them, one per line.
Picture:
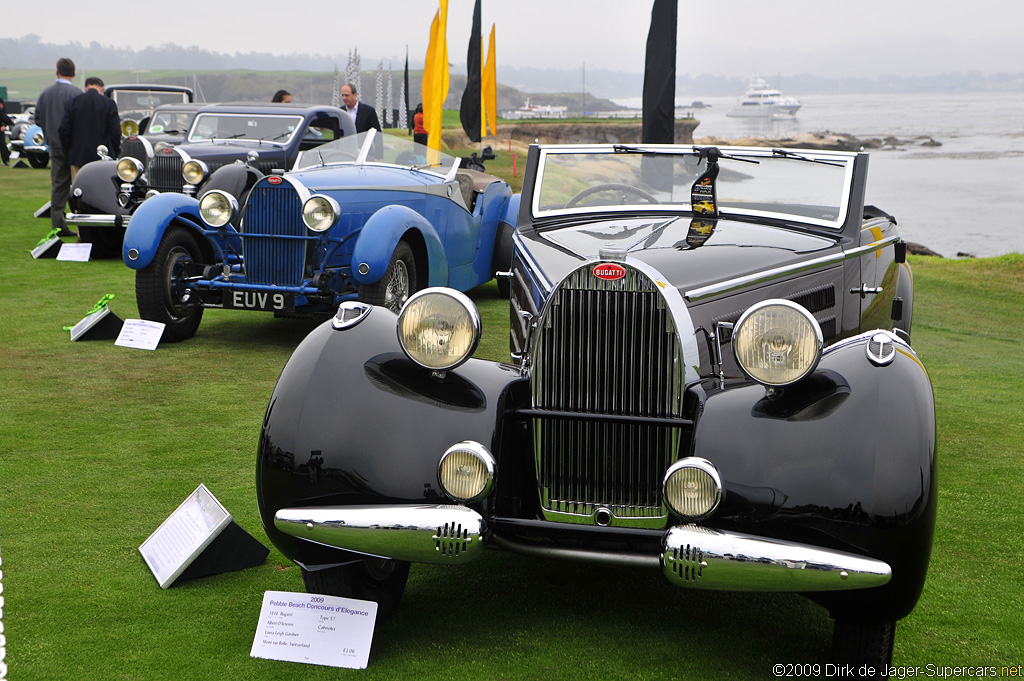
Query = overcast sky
x=864 y=38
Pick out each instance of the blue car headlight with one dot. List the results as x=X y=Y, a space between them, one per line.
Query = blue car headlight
x=320 y=213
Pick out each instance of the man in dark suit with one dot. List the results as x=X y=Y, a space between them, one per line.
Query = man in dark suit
x=49 y=115
x=90 y=120
x=363 y=115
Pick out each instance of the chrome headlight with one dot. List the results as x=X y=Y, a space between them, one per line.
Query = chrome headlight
x=693 y=488
x=129 y=169
x=218 y=208
x=320 y=213
x=439 y=328
x=466 y=472
x=38 y=139
x=777 y=342
x=194 y=171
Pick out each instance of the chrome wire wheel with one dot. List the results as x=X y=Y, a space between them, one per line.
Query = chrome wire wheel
x=397 y=291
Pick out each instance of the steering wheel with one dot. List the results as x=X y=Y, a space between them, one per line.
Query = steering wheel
x=611 y=186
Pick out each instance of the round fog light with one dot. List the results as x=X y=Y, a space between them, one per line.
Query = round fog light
x=466 y=471
x=218 y=208
x=193 y=172
x=129 y=169
x=319 y=213
x=693 y=488
x=439 y=328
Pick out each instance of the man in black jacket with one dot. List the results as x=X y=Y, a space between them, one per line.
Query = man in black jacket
x=363 y=115
x=90 y=120
x=49 y=115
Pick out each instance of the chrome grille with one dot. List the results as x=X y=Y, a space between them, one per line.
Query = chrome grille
x=607 y=385
x=273 y=212
x=165 y=173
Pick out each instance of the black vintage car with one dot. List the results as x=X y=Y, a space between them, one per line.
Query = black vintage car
x=268 y=137
x=711 y=375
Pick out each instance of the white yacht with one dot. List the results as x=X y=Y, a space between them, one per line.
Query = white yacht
x=763 y=101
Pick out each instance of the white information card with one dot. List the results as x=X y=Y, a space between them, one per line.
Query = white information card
x=140 y=333
x=314 y=629
x=75 y=252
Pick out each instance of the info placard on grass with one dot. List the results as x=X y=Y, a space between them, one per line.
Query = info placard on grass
x=314 y=629
x=182 y=537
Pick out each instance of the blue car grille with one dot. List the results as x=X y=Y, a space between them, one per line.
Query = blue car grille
x=607 y=384
x=165 y=173
x=273 y=212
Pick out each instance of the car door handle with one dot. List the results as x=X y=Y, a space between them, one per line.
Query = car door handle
x=864 y=290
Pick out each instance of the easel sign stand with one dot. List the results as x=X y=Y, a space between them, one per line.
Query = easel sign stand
x=48 y=246
x=198 y=540
x=99 y=323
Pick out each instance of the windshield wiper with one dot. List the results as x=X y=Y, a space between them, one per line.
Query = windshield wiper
x=782 y=153
x=228 y=137
x=629 y=149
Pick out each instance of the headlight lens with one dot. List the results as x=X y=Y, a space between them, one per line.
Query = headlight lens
x=129 y=169
x=38 y=139
x=193 y=172
x=218 y=208
x=320 y=212
x=466 y=471
x=129 y=128
x=693 y=488
x=777 y=342
x=439 y=328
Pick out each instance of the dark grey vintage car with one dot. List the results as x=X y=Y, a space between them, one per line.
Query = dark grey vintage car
x=711 y=376
x=269 y=137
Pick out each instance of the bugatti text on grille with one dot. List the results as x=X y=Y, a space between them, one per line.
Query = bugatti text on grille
x=607 y=386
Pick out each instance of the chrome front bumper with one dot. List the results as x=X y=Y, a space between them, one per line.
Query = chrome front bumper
x=96 y=220
x=692 y=556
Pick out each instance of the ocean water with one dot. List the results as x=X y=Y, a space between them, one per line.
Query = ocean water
x=963 y=197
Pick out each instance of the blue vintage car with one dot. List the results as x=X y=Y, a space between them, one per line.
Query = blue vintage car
x=367 y=217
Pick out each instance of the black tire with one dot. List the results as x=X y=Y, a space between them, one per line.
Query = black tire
x=398 y=283
x=159 y=287
x=106 y=241
x=859 y=644
x=38 y=160
x=373 y=579
x=503 y=258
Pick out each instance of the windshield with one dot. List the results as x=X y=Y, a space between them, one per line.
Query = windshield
x=170 y=122
x=228 y=126
x=138 y=101
x=381 y=149
x=805 y=185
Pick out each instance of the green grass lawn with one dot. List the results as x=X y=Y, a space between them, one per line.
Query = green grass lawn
x=99 y=444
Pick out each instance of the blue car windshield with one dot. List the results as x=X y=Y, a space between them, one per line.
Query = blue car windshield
x=375 y=147
x=276 y=128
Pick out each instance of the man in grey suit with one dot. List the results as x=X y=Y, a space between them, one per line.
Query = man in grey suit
x=49 y=114
x=90 y=120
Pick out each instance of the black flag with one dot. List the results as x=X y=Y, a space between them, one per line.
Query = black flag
x=660 y=75
x=469 y=112
x=408 y=116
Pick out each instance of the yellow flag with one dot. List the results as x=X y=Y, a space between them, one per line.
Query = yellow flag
x=435 y=77
x=489 y=87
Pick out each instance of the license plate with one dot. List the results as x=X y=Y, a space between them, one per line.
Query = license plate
x=266 y=301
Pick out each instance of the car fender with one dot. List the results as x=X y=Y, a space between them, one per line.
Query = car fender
x=29 y=145
x=379 y=237
x=368 y=442
x=510 y=210
x=151 y=219
x=849 y=454
x=234 y=178
x=95 y=188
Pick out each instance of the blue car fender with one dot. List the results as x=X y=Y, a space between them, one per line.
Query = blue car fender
x=30 y=145
x=510 y=210
x=151 y=219
x=379 y=237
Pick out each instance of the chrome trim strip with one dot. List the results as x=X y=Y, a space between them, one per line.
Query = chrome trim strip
x=786 y=271
x=90 y=220
x=440 y=534
x=704 y=558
